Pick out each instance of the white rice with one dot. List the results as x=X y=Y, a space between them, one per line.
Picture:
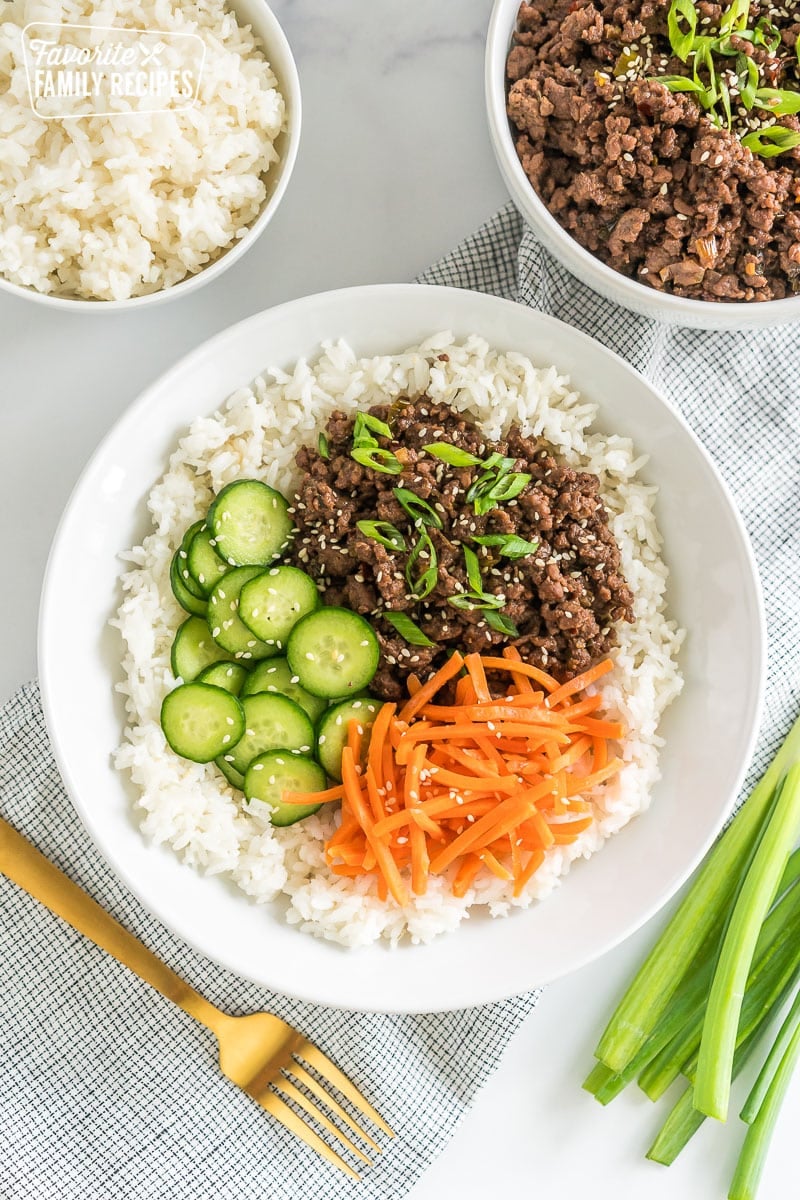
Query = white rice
x=107 y=208
x=257 y=434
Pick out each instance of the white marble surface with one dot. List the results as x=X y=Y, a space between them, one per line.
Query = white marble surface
x=395 y=167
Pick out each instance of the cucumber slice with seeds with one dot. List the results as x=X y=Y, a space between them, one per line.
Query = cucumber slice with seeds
x=201 y=722
x=228 y=675
x=332 y=731
x=235 y=778
x=187 y=599
x=271 y=723
x=194 y=649
x=334 y=652
x=202 y=561
x=226 y=628
x=182 y=565
x=250 y=523
x=275 y=675
x=273 y=774
x=273 y=603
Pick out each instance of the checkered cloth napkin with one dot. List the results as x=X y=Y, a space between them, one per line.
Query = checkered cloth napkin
x=106 y=1090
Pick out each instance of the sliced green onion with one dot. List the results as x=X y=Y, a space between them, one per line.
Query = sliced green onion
x=681 y=39
x=423 y=584
x=734 y=19
x=501 y=623
x=366 y=426
x=377 y=459
x=510 y=545
x=677 y=83
x=418 y=509
x=760 y=1088
x=408 y=630
x=383 y=532
x=473 y=570
x=713 y=1083
x=756 y=1143
x=322 y=447
x=771 y=140
x=748 y=77
x=778 y=101
x=702 y=908
x=767 y=35
x=454 y=456
x=469 y=602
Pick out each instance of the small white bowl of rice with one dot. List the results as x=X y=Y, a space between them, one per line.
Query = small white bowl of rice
x=120 y=198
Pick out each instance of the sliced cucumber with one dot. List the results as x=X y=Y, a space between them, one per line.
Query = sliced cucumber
x=187 y=599
x=182 y=556
x=235 y=778
x=194 y=649
x=272 y=604
x=250 y=523
x=275 y=675
x=273 y=774
x=203 y=563
x=332 y=731
x=201 y=722
x=334 y=652
x=226 y=628
x=228 y=675
x=272 y=723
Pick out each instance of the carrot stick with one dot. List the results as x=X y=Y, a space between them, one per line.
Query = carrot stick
x=607 y=729
x=531 y=866
x=521 y=682
x=429 y=689
x=507 y=814
x=377 y=739
x=355 y=733
x=579 y=682
x=383 y=857
x=465 y=874
x=497 y=868
x=478 y=676
x=522 y=669
x=569 y=830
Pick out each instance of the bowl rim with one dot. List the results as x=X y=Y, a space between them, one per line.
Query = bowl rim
x=289 y=84
x=131 y=419
x=591 y=270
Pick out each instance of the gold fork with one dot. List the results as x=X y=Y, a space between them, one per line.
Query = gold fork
x=260 y=1053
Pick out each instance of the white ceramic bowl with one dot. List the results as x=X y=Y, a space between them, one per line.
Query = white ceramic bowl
x=673 y=310
x=709 y=730
x=278 y=52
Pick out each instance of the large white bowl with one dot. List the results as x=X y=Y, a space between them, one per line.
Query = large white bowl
x=674 y=310
x=709 y=730
x=278 y=52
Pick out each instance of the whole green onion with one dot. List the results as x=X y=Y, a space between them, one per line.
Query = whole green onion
x=713 y=1082
x=756 y=1143
x=767 y=1073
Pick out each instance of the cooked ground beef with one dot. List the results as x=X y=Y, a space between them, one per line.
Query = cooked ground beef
x=564 y=599
x=639 y=175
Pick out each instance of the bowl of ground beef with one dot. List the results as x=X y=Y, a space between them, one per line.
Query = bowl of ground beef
x=654 y=148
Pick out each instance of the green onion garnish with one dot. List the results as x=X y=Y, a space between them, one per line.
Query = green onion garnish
x=682 y=39
x=408 y=630
x=777 y=101
x=377 y=459
x=465 y=600
x=365 y=426
x=510 y=545
x=418 y=509
x=454 y=456
x=767 y=35
x=423 y=584
x=771 y=140
x=503 y=624
x=383 y=532
x=322 y=447
x=473 y=571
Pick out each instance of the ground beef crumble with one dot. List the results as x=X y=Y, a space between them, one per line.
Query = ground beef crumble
x=565 y=599
x=640 y=176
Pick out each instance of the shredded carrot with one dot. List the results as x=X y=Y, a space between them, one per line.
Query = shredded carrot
x=485 y=783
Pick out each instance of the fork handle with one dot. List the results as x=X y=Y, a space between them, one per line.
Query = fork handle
x=29 y=869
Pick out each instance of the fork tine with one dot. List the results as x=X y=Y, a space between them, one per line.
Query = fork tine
x=331 y=1072
x=310 y=1082
x=287 y=1087
x=281 y=1111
